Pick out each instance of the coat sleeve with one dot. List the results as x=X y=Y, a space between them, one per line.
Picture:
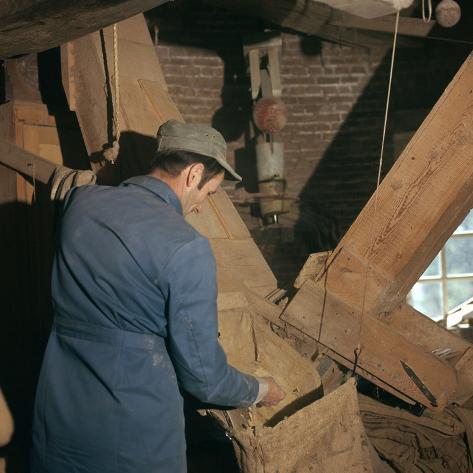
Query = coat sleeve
x=199 y=360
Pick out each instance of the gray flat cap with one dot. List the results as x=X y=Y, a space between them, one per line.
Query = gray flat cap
x=196 y=138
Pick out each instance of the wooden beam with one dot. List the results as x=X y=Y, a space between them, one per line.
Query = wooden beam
x=423 y=199
x=87 y=65
x=29 y=26
x=425 y=196
x=26 y=163
x=301 y=15
x=384 y=24
x=310 y=17
x=381 y=350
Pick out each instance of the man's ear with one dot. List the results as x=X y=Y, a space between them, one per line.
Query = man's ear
x=194 y=175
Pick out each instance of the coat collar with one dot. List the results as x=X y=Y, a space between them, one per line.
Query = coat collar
x=158 y=188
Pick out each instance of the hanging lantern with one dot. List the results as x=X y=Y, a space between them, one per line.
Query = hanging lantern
x=270 y=114
x=448 y=13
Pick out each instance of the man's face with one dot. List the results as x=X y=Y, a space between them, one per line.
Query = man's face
x=193 y=197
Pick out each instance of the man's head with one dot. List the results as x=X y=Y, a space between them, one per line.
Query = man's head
x=191 y=159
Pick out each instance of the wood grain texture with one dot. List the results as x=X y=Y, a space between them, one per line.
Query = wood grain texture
x=357 y=302
x=425 y=196
x=144 y=102
x=36 y=25
x=335 y=325
x=26 y=163
x=240 y=261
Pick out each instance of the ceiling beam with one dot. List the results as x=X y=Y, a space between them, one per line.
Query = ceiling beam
x=28 y=26
x=384 y=24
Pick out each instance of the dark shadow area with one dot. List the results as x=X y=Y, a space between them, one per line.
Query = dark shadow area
x=26 y=249
x=209 y=449
x=53 y=96
x=311 y=45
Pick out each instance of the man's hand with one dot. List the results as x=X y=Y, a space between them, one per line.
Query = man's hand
x=275 y=393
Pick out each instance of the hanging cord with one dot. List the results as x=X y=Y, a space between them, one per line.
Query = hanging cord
x=427 y=18
x=358 y=349
x=111 y=154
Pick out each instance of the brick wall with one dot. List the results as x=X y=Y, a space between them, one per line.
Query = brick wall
x=335 y=97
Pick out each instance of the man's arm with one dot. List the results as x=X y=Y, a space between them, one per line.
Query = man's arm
x=198 y=358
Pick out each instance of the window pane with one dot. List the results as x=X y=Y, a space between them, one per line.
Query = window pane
x=426 y=297
x=434 y=268
x=458 y=292
x=459 y=254
x=467 y=224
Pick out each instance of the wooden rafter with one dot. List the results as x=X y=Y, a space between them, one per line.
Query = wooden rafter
x=355 y=305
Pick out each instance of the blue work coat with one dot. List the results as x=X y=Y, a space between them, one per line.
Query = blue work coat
x=134 y=292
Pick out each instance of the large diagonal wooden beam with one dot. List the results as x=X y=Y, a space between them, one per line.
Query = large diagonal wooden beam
x=423 y=199
x=351 y=304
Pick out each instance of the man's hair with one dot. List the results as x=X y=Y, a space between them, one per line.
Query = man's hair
x=172 y=162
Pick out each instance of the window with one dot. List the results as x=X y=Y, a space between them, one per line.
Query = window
x=448 y=281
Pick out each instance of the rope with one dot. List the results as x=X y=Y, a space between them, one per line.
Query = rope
x=358 y=349
x=111 y=154
x=428 y=18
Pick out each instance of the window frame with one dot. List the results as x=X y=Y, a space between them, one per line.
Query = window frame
x=443 y=277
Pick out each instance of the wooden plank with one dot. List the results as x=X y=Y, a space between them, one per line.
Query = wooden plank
x=21 y=79
x=383 y=24
x=164 y=108
x=312 y=18
x=67 y=75
x=228 y=215
x=21 y=31
x=314 y=265
x=144 y=103
x=263 y=308
x=207 y=222
x=422 y=331
x=337 y=326
x=219 y=218
x=26 y=163
x=367 y=375
x=89 y=98
x=241 y=261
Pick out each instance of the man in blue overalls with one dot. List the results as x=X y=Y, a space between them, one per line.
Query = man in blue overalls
x=134 y=293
